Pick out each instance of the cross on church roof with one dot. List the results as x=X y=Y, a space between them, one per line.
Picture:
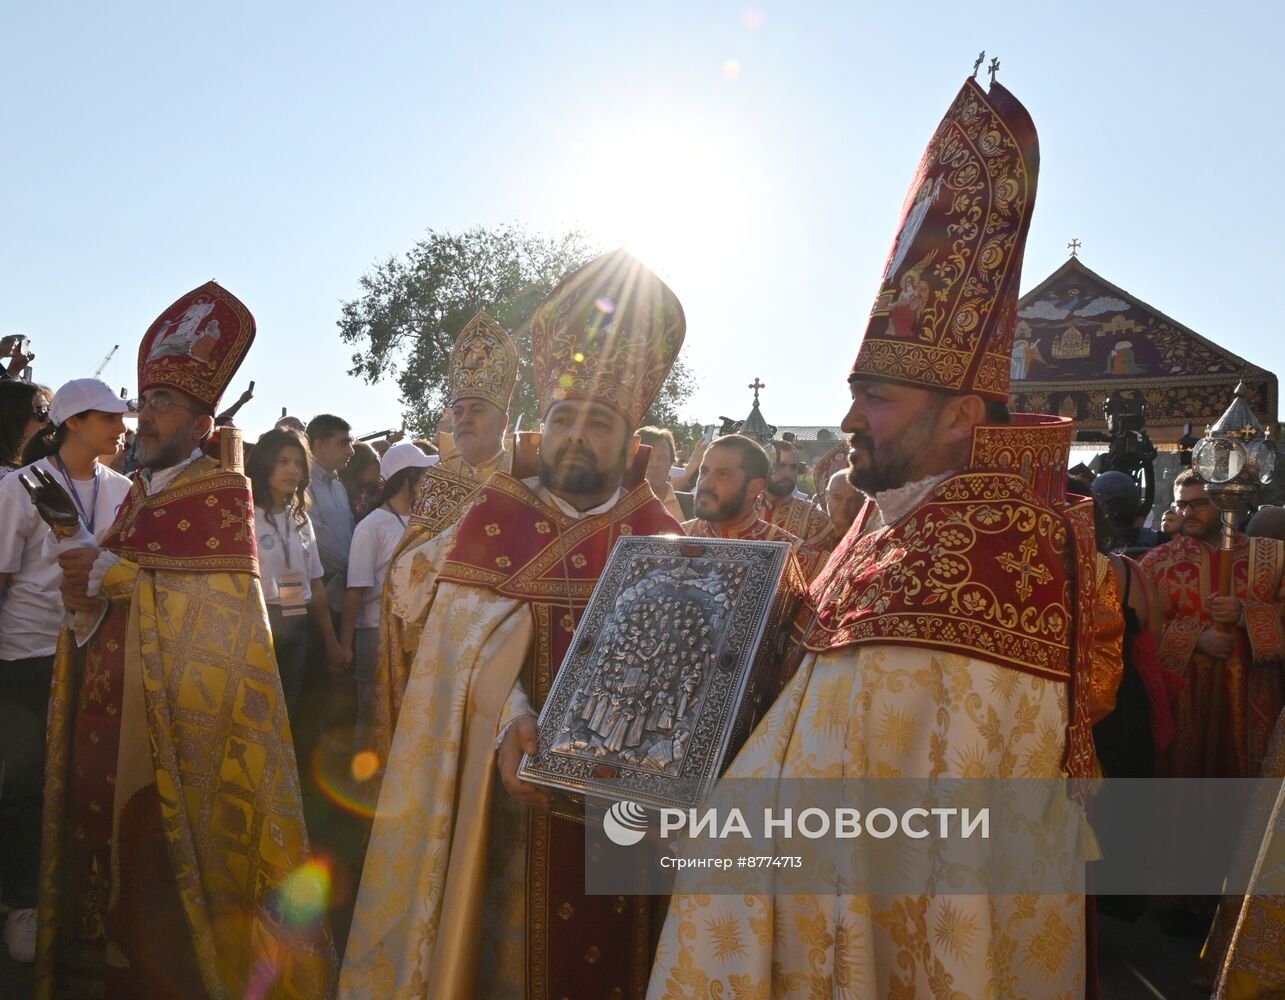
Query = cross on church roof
x=756 y=385
x=993 y=68
x=1074 y=247
x=978 y=64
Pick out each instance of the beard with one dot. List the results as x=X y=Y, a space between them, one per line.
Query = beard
x=726 y=511
x=781 y=487
x=898 y=462
x=156 y=454
x=892 y=466
x=580 y=478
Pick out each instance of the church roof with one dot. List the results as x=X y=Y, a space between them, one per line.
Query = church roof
x=1080 y=338
x=812 y=432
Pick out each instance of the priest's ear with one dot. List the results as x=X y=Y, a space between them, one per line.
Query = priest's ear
x=958 y=417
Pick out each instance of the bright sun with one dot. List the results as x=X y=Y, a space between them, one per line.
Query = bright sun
x=676 y=196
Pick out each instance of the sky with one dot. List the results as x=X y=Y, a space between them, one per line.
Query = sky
x=755 y=155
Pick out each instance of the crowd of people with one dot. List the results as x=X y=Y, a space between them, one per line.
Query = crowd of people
x=261 y=727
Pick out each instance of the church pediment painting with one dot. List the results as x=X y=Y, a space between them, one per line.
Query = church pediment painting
x=1079 y=338
x=1077 y=326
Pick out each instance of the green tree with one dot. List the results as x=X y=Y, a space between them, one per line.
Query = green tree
x=411 y=309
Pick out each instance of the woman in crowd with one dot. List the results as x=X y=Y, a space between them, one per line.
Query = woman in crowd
x=289 y=563
x=660 y=466
x=373 y=545
x=84 y=424
x=24 y=410
x=361 y=479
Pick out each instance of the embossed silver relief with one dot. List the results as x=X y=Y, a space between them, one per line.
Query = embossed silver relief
x=669 y=662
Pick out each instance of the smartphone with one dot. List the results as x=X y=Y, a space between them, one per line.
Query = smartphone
x=708 y=436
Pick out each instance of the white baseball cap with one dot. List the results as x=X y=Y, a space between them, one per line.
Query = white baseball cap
x=81 y=394
x=403 y=456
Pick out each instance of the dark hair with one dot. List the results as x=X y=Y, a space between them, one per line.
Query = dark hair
x=263 y=460
x=44 y=443
x=325 y=426
x=655 y=435
x=17 y=406
x=1187 y=477
x=400 y=478
x=363 y=457
x=777 y=446
x=754 y=458
x=426 y=446
x=997 y=412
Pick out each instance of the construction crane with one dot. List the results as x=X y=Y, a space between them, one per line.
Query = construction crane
x=103 y=364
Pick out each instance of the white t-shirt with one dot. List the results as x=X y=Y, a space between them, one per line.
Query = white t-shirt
x=373 y=543
x=272 y=530
x=31 y=606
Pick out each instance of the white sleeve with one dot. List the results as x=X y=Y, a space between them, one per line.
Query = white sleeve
x=518 y=706
x=105 y=561
x=314 y=553
x=363 y=555
x=16 y=513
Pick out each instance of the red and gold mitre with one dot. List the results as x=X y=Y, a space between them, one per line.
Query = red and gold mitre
x=484 y=362
x=609 y=332
x=197 y=344
x=947 y=305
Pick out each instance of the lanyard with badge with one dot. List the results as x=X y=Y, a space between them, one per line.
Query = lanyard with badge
x=86 y=517
x=289 y=582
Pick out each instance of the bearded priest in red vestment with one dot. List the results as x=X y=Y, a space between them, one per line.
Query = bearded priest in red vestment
x=778 y=505
x=471 y=889
x=1234 y=642
x=949 y=641
x=172 y=820
x=733 y=472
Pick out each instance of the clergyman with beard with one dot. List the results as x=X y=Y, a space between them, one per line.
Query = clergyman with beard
x=170 y=764
x=777 y=503
x=470 y=888
x=733 y=472
x=910 y=635
x=1233 y=641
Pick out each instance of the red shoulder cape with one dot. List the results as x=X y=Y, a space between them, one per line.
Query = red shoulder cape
x=984 y=567
x=203 y=522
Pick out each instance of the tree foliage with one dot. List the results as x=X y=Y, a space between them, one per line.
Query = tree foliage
x=411 y=309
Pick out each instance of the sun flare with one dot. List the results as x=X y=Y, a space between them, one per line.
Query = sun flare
x=675 y=195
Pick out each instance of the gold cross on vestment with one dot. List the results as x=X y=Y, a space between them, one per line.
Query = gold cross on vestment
x=1025 y=568
x=756 y=385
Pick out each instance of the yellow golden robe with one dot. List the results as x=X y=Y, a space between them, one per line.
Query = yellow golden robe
x=444 y=496
x=882 y=711
x=181 y=676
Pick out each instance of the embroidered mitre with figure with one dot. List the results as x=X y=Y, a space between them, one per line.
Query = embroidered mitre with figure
x=484 y=362
x=197 y=344
x=947 y=303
